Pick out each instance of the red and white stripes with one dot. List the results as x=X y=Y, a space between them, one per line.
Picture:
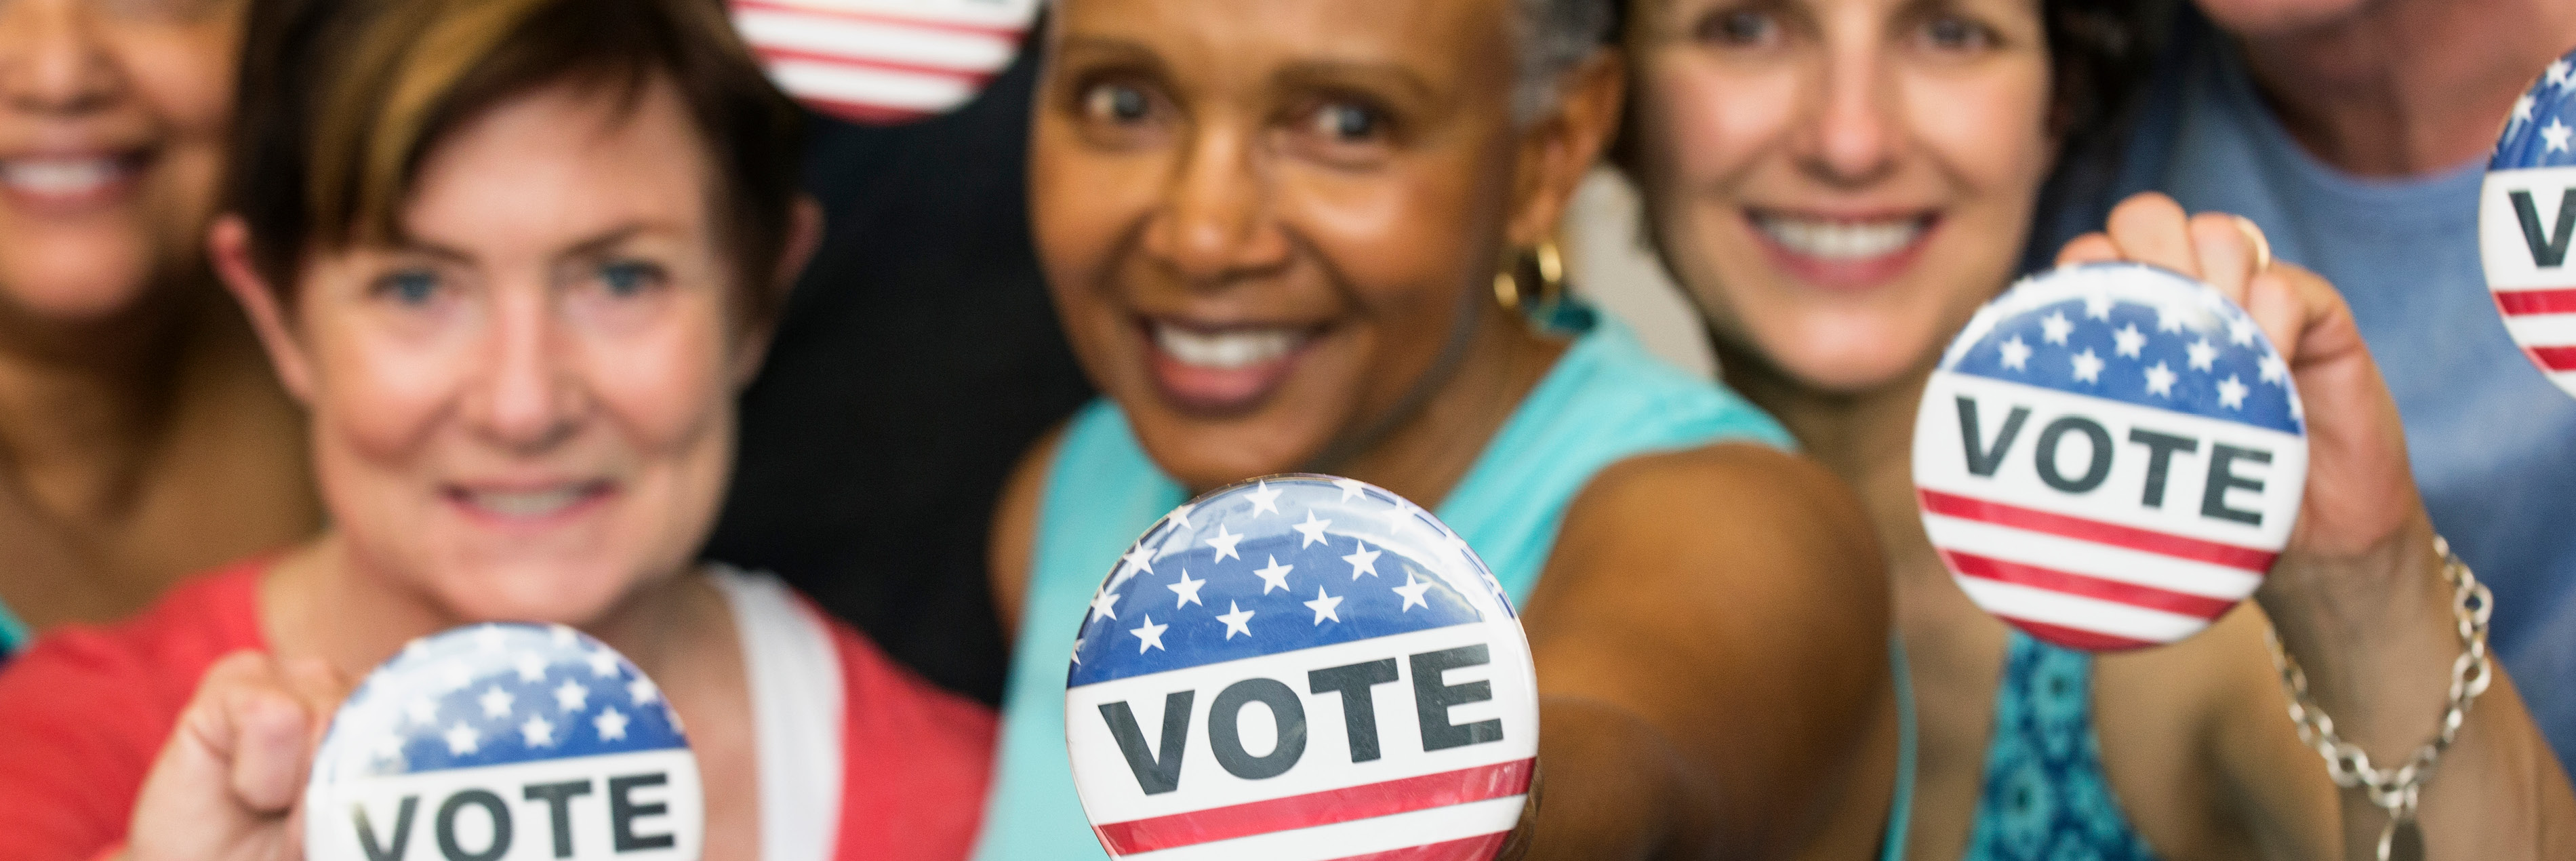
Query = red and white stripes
x=884 y=61
x=2160 y=544
x=1433 y=817
x=2529 y=264
x=2543 y=322
x=2085 y=583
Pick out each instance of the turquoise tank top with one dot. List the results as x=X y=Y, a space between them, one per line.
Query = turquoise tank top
x=1604 y=401
x=13 y=633
x=2044 y=795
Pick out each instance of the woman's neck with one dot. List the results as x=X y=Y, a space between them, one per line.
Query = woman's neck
x=325 y=600
x=2406 y=87
x=83 y=405
x=1865 y=437
x=1425 y=455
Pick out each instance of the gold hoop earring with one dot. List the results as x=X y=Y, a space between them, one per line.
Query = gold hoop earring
x=1544 y=261
x=1551 y=271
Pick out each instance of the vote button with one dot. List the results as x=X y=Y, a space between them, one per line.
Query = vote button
x=2110 y=456
x=880 y=62
x=499 y=742
x=1301 y=667
x=2527 y=223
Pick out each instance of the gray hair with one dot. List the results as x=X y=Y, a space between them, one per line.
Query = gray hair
x=1553 y=36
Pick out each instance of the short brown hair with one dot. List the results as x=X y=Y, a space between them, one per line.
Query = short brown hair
x=341 y=100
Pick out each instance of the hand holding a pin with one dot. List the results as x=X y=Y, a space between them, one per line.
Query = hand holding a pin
x=228 y=786
x=2359 y=595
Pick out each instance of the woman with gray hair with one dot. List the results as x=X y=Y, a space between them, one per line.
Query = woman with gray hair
x=1272 y=233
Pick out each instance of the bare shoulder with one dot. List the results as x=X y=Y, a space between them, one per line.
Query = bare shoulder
x=1015 y=524
x=1731 y=599
x=1746 y=525
x=1726 y=556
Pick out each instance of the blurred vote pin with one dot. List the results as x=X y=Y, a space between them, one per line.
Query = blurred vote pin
x=1301 y=667
x=2110 y=456
x=2527 y=218
x=504 y=741
x=884 y=61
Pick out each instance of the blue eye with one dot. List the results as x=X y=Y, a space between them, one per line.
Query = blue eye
x=1949 y=33
x=1740 y=28
x=1346 y=122
x=409 y=286
x=629 y=277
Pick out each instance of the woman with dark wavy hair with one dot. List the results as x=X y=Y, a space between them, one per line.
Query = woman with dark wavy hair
x=1840 y=184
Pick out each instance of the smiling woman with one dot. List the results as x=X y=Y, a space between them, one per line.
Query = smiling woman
x=141 y=437
x=520 y=366
x=1840 y=184
x=1272 y=233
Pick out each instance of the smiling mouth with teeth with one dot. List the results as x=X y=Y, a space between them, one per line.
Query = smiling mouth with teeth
x=1842 y=240
x=1842 y=254
x=1226 y=350
x=1224 y=370
x=67 y=179
x=529 y=504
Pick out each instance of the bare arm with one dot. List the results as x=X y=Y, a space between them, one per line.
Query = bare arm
x=2358 y=596
x=1711 y=638
x=1015 y=525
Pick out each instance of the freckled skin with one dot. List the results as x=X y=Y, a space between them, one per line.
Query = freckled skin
x=522 y=411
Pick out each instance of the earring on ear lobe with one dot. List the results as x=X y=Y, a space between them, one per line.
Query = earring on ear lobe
x=1542 y=260
x=1551 y=271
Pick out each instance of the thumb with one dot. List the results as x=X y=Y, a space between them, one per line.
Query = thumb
x=319 y=688
x=232 y=767
x=265 y=732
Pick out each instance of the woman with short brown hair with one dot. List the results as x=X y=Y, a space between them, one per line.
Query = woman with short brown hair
x=516 y=257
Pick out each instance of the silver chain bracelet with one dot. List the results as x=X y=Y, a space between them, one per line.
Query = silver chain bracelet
x=2395 y=790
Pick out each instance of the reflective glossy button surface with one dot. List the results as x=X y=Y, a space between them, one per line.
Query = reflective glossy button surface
x=1301 y=667
x=2110 y=456
x=505 y=741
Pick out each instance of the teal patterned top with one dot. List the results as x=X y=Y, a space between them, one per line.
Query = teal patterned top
x=2044 y=794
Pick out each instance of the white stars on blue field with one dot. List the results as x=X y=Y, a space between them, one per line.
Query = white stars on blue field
x=2541 y=132
x=2128 y=350
x=1275 y=566
x=501 y=694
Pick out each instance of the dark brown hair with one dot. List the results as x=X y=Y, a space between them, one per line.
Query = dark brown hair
x=2099 y=53
x=340 y=101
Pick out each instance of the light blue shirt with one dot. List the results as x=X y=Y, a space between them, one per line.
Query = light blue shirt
x=1605 y=400
x=2493 y=444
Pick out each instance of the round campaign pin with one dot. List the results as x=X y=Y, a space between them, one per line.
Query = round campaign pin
x=2110 y=456
x=884 y=61
x=2527 y=218
x=1301 y=667
x=504 y=741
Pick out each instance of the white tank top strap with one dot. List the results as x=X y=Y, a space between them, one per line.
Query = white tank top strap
x=796 y=703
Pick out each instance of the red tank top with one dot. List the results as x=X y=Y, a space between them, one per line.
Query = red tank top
x=84 y=712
